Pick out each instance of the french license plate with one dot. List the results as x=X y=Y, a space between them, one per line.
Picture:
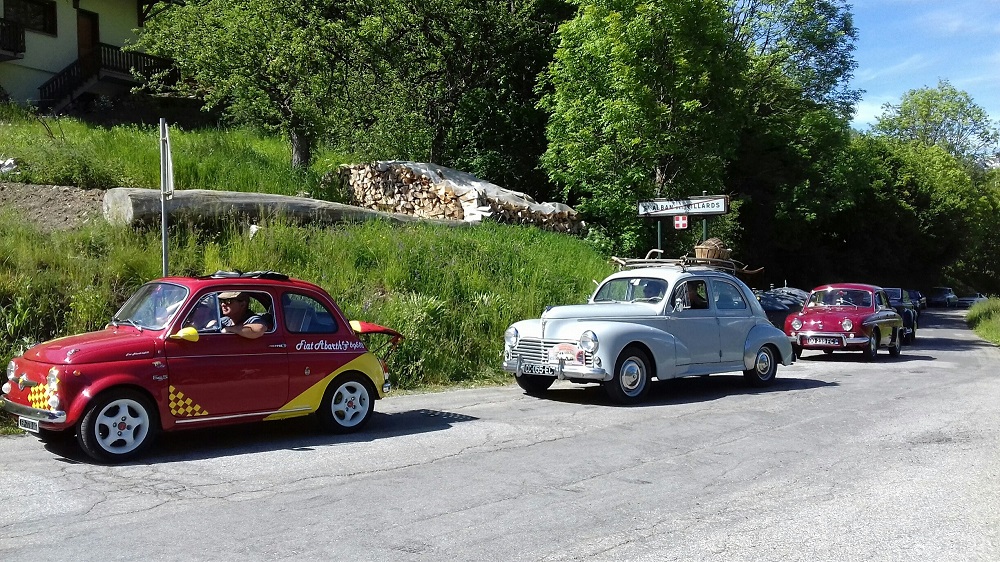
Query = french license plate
x=533 y=369
x=28 y=424
x=823 y=341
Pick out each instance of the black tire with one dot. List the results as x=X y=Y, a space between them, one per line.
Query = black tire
x=896 y=344
x=630 y=383
x=118 y=425
x=828 y=351
x=534 y=385
x=797 y=351
x=871 y=351
x=764 y=368
x=347 y=405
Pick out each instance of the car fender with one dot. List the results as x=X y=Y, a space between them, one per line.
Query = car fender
x=616 y=336
x=86 y=395
x=766 y=334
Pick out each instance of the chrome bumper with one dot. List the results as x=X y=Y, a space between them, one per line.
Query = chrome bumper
x=561 y=371
x=31 y=413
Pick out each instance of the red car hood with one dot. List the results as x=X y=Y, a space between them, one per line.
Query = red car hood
x=829 y=316
x=110 y=344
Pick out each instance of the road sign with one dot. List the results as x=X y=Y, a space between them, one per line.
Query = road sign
x=681 y=222
x=697 y=205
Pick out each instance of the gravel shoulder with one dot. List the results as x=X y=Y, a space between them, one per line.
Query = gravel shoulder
x=52 y=207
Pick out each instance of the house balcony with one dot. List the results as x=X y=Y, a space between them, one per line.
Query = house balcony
x=106 y=71
x=11 y=40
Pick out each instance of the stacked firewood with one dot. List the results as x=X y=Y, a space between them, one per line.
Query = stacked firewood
x=435 y=192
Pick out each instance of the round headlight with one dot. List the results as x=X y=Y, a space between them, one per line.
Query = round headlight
x=796 y=324
x=588 y=341
x=511 y=337
x=847 y=325
x=10 y=371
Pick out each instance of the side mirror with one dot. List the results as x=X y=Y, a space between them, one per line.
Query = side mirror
x=186 y=334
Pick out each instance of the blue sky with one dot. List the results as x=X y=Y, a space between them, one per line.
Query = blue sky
x=909 y=44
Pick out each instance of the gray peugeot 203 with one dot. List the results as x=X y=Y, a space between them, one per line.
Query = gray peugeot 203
x=655 y=319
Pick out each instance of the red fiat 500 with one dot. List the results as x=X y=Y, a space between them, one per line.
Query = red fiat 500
x=171 y=359
x=846 y=317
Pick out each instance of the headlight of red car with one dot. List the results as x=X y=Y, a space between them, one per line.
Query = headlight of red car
x=847 y=325
x=796 y=324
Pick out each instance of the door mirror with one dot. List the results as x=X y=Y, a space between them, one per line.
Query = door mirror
x=186 y=334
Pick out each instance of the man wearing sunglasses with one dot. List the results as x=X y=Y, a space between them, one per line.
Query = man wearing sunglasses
x=237 y=318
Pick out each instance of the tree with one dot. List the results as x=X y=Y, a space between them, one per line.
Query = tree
x=286 y=65
x=640 y=96
x=942 y=116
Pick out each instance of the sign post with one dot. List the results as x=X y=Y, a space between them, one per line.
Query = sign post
x=704 y=205
x=166 y=185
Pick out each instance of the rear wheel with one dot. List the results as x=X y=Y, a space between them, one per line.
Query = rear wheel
x=630 y=383
x=118 y=425
x=896 y=345
x=347 y=405
x=534 y=385
x=764 y=368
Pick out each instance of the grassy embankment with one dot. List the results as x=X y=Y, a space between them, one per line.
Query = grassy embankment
x=984 y=319
x=451 y=291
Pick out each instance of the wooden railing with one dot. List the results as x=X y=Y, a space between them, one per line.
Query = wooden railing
x=107 y=58
x=11 y=36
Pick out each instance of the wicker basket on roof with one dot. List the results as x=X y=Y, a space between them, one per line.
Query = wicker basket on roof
x=713 y=248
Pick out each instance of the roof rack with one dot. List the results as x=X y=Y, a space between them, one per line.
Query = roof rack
x=684 y=262
x=272 y=275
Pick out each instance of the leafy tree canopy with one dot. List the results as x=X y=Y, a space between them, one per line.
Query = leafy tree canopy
x=942 y=116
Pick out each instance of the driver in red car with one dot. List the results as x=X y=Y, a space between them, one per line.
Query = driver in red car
x=237 y=318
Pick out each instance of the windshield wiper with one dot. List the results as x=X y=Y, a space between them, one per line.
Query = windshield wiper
x=117 y=321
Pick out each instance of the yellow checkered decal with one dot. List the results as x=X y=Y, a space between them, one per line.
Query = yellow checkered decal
x=38 y=397
x=181 y=405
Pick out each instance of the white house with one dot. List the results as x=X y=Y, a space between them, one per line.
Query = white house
x=54 y=51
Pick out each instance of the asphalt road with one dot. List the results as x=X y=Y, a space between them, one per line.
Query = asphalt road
x=841 y=460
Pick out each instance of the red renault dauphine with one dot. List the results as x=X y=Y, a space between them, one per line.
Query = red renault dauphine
x=165 y=363
x=846 y=317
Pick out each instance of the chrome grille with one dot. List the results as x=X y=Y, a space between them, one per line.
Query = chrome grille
x=532 y=350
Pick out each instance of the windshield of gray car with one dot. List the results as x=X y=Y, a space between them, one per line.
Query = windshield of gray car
x=631 y=289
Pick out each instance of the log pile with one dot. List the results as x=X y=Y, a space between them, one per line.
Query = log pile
x=436 y=192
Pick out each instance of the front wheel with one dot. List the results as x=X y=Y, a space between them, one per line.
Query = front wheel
x=118 y=425
x=347 y=405
x=896 y=345
x=871 y=350
x=630 y=382
x=764 y=368
x=534 y=385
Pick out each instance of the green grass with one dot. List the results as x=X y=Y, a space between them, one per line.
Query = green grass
x=984 y=319
x=65 y=151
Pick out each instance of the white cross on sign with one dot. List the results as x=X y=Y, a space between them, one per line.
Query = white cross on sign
x=680 y=222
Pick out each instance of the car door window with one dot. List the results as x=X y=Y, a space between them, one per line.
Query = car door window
x=692 y=294
x=728 y=297
x=304 y=314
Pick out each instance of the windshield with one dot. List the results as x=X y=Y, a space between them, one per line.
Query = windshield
x=841 y=297
x=894 y=293
x=633 y=289
x=152 y=306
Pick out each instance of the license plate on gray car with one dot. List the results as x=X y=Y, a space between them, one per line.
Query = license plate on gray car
x=28 y=424
x=533 y=369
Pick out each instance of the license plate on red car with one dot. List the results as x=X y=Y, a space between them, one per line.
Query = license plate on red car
x=533 y=369
x=812 y=340
x=28 y=424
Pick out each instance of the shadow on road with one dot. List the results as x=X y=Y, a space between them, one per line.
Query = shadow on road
x=295 y=435
x=686 y=390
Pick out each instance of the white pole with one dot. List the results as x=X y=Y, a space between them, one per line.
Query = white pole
x=165 y=181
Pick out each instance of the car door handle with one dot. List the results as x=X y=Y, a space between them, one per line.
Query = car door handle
x=277 y=345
